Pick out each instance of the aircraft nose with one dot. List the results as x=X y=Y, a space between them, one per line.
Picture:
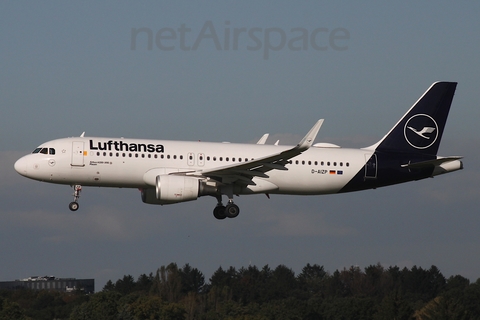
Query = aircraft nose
x=21 y=166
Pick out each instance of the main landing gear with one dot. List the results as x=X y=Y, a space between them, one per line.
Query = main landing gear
x=231 y=210
x=76 y=194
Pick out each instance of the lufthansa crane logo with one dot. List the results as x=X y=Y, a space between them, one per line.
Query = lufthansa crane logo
x=421 y=131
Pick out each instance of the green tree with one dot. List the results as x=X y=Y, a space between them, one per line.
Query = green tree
x=221 y=278
x=457 y=283
x=102 y=305
x=109 y=286
x=125 y=285
x=144 y=283
x=282 y=283
x=167 y=283
x=192 y=279
x=10 y=310
x=393 y=306
x=460 y=301
x=312 y=278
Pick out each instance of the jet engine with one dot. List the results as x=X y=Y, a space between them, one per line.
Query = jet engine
x=173 y=189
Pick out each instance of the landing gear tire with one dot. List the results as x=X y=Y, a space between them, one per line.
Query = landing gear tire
x=73 y=206
x=219 y=212
x=232 y=210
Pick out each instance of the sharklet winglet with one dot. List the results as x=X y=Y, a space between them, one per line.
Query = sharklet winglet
x=307 y=141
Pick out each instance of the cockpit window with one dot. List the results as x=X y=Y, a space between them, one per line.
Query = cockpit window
x=50 y=151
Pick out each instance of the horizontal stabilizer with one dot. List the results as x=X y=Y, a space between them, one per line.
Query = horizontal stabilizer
x=430 y=163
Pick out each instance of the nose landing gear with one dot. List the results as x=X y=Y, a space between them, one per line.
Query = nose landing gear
x=73 y=206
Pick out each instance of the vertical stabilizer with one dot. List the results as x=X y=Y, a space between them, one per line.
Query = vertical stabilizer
x=420 y=129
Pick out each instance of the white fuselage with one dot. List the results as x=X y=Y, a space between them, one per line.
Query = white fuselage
x=134 y=163
x=170 y=172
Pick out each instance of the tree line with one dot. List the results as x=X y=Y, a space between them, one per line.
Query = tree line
x=250 y=293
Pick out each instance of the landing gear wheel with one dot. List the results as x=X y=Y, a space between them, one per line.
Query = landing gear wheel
x=232 y=210
x=219 y=212
x=76 y=194
x=73 y=206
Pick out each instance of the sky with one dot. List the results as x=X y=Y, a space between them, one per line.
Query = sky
x=232 y=71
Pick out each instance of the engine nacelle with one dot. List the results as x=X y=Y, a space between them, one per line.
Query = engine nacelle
x=173 y=189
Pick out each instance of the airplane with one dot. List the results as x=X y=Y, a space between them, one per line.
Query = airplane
x=168 y=172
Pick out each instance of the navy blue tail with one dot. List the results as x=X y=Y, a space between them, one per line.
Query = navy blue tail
x=420 y=129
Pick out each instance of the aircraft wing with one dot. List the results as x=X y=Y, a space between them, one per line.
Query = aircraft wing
x=245 y=171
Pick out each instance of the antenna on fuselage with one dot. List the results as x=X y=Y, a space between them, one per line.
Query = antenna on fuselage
x=82 y=135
